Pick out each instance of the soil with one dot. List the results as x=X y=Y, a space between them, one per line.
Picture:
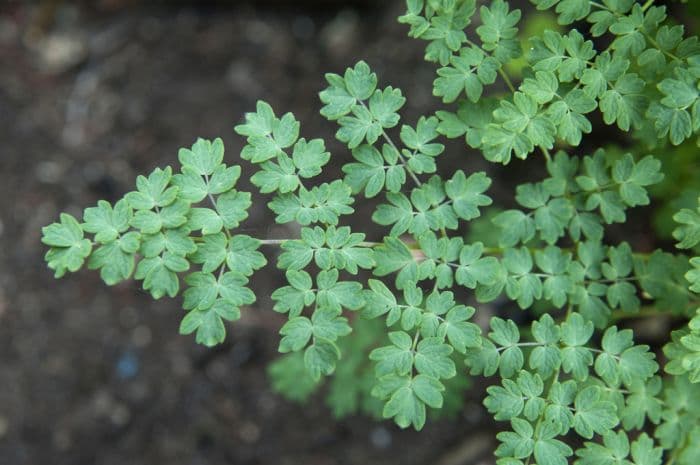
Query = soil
x=93 y=95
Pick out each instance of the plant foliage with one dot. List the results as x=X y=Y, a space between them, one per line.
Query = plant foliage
x=399 y=343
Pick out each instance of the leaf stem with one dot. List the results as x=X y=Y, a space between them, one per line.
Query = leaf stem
x=273 y=241
x=506 y=79
x=211 y=197
x=648 y=311
x=282 y=241
x=501 y=71
x=547 y=155
x=393 y=145
x=600 y=5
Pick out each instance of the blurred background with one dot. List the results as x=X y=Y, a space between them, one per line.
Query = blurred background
x=94 y=93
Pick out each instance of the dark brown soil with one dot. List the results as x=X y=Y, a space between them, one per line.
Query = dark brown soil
x=91 y=97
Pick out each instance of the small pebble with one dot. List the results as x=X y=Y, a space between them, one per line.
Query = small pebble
x=141 y=336
x=4 y=426
x=249 y=432
x=49 y=172
x=120 y=415
x=380 y=437
x=127 y=366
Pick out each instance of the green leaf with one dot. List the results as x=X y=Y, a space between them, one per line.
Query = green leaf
x=267 y=135
x=336 y=294
x=518 y=443
x=105 y=222
x=642 y=403
x=593 y=415
x=555 y=263
x=568 y=116
x=68 y=247
x=405 y=407
x=338 y=101
x=232 y=288
x=468 y=72
x=506 y=334
x=467 y=193
x=546 y=358
x=202 y=291
x=361 y=126
x=243 y=256
x=204 y=156
x=615 y=450
x=211 y=252
x=634 y=177
x=505 y=402
x=328 y=324
x=543 y=88
x=296 y=334
x=460 y=334
x=296 y=256
x=209 y=323
x=159 y=274
x=223 y=179
x=572 y=10
x=516 y=227
x=391 y=256
x=320 y=358
x=678 y=94
x=379 y=300
x=575 y=333
x=232 y=207
x=176 y=241
x=396 y=358
x=561 y=396
x=429 y=390
x=206 y=220
x=474 y=269
x=483 y=360
x=420 y=140
x=280 y=176
x=258 y=124
x=285 y=131
x=644 y=452
x=324 y=203
x=190 y=184
x=384 y=105
x=175 y=214
x=498 y=31
x=360 y=81
x=368 y=174
x=115 y=259
x=693 y=275
x=399 y=213
x=310 y=157
x=550 y=451
x=153 y=191
x=297 y=296
x=637 y=363
x=67 y=233
x=624 y=103
x=688 y=233
x=552 y=219
x=432 y=358
x=580 y=52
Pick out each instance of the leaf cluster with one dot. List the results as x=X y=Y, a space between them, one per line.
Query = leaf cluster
x=396 y=318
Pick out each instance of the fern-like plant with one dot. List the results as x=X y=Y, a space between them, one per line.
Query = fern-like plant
x=397 y=343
